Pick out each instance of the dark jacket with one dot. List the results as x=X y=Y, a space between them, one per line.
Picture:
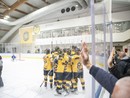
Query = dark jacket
x=105 y=79
x=122 y=68
x=1 y=63
x=1 y=67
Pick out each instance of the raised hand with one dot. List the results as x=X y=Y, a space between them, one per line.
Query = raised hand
x=110 y=59
x=85 y=56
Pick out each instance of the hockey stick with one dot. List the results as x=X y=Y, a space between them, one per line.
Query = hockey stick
x=42 y=83
x=43 y=80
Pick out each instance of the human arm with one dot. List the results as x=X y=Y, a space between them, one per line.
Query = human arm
x=111 y=57
x=105 y=79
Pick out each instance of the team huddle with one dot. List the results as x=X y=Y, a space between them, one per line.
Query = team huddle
x=64 y=68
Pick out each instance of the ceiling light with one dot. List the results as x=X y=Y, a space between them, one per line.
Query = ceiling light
x=6 y=17
x=8 y=8
x=76 y=5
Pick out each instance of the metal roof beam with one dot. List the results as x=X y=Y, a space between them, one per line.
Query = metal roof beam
x=2 y=7
x=5 y=5
x=20 y=11
x=14 y=6
x=31 y=5
x=14 y=17
x=46 y=2
x=4 y=30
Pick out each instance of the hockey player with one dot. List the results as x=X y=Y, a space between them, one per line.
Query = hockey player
x=75 y=61
x=55 y=55
x=80 y=71
x=48 y=69
x=77 y=69
x=73 y=50
x=13 y=57
x=59 y=71
x=67 y=71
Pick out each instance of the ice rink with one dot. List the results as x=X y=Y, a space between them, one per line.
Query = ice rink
x=22 y=79
x=30 y=29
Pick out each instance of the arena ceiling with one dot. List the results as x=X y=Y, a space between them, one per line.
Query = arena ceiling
x=13 y=10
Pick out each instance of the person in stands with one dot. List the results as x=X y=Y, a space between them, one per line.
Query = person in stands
x=107 y=80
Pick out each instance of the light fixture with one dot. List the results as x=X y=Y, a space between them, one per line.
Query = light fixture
x=6 y=17
x=8 y=8
x=76 y=5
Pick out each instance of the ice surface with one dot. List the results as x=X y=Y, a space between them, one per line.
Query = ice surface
x=22 y=79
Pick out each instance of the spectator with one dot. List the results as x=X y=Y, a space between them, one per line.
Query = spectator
x=119 y=64
x=1 y=67
x=108 y=81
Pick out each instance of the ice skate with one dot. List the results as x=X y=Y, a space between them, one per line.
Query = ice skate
x=58 y=92
x=75 y=91
x=66 y=93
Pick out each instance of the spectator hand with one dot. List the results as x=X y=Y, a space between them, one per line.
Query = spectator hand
x=110 y=59
x=85 y=56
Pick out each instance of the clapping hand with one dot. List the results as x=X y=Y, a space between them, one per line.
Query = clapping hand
x=110 y=59
x=85 y=56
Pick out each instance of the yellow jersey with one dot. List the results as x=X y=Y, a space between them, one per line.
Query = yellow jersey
x=75 y=62
x=54 y=55
x=61 y=65
x=72 y=52
x=47 y=62
x=68 y=66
